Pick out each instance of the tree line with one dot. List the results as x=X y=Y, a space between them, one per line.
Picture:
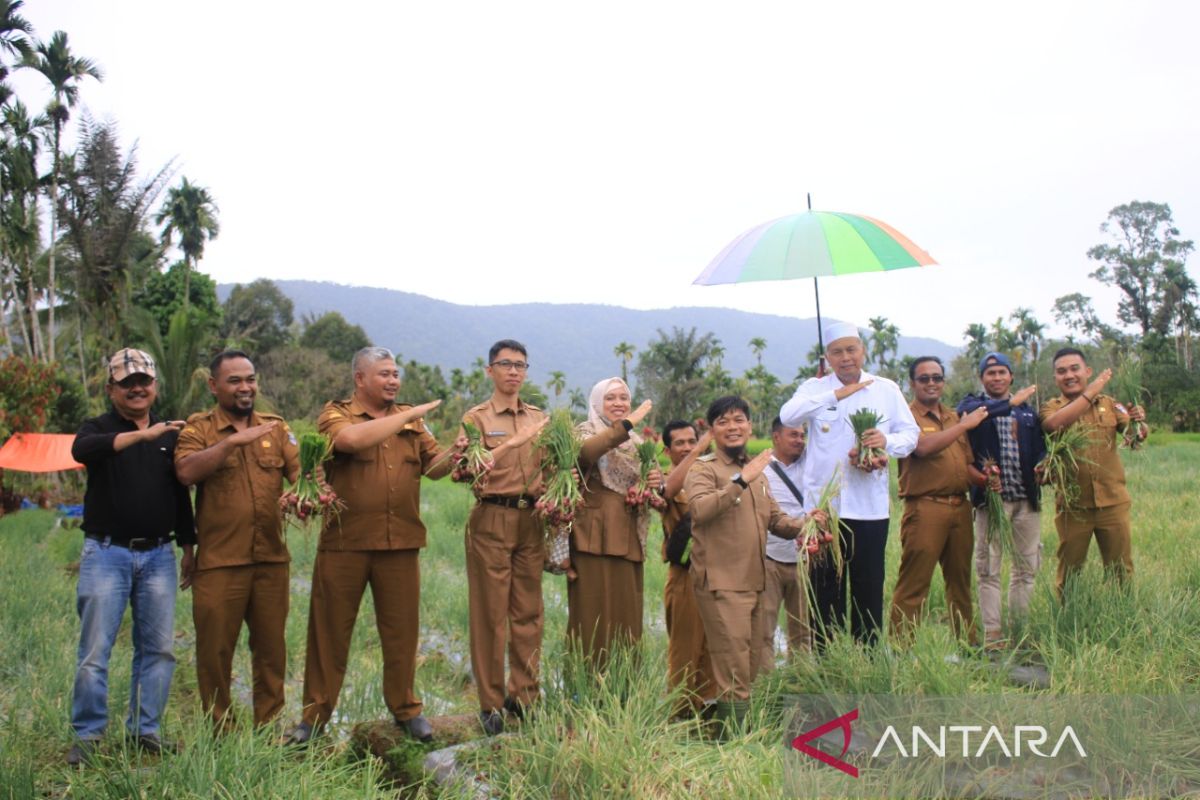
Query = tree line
x=97 y=253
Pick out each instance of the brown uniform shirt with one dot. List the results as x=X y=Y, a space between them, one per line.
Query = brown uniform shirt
x=945 y=472
x=238 y=520
x=516 y=471
x=380 y=485
x=604 y=525
x=729 y=525
x=676 y=510
x=1102 y=482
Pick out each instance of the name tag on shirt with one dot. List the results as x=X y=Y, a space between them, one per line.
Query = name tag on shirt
x=497 y=433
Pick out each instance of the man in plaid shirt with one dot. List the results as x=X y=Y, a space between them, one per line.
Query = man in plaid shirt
x=1011 y=437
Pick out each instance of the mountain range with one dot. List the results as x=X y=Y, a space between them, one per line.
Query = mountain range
x=576 y=339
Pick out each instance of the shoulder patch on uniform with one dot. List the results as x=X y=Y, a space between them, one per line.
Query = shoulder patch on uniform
x=708 y=457
x=292 y=439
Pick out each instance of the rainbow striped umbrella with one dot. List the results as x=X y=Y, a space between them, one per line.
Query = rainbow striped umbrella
x=810 y=245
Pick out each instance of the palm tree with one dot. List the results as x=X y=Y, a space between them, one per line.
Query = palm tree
x=64 y=71
x=757 y=345
x=557 y=382
x=182 y=388
x=19 y=222
x=15 y=31
x=1029 y=333
x=885 y=338
x=624 y=351
x=189 y=211
x=977 y=341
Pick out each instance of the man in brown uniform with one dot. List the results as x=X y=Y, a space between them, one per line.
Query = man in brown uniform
x=381 y=450
x=936 y=527
x=687 y=655
x=505 y=545
x=1102 y=509
x=237 y=458
x=732 y=509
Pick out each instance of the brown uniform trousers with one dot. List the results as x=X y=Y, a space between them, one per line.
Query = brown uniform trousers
x=1104 y=502
x=374 y=542
x=936 y=527
x=687 y=654
x=605 y=601
x=505 y=554
x=242 y=572
x=729 y=540
x=688 y=664
x=787 y=588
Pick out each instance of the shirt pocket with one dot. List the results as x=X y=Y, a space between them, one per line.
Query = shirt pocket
x=269 y=460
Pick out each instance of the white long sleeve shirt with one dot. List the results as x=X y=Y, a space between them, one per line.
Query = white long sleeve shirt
x=864 y=495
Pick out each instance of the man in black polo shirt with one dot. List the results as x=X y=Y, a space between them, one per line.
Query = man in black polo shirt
x=133 y=508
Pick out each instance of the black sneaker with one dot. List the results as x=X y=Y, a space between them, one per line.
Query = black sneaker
x=418 y=728
x=492 y=722
x=82 y=751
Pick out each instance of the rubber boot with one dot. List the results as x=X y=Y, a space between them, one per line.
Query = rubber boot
x=721 y=713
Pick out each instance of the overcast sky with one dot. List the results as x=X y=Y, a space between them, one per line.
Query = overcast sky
x=484 y=152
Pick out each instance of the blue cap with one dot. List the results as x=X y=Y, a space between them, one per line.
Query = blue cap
x=994 y=360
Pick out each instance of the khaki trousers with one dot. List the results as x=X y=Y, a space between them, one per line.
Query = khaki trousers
x=339 y=579
x=222 y=599
x=1027 y=542
x=687 y=656
x=1111 y=528
x=732 y=631
x=786 y=585
x=934 y=532
x=505 y=554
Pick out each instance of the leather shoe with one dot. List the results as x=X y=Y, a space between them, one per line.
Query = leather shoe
x=155 y=745
x=513 y=708
x=299 y=736
x=492 y=722
x=82 y=752
x=418 y=728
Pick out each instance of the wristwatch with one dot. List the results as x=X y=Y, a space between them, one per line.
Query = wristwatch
x=739 y=480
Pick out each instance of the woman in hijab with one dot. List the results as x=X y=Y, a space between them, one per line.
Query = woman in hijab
x=608 y=538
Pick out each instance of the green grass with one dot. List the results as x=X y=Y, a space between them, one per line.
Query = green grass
x=591 y=740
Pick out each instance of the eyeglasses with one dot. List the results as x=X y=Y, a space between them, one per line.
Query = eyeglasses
x=519 y=366
x=931 y=379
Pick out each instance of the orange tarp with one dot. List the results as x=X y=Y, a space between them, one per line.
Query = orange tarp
x=38 y=452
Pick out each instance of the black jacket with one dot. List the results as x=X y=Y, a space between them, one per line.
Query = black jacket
x=132 y=494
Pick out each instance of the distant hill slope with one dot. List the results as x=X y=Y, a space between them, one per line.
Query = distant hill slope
x=576 y=339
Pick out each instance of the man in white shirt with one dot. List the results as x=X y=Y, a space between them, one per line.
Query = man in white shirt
x=785 y=585
x=825 y=405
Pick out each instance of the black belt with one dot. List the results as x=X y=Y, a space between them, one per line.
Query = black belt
x=132 y=544
x=521 y=501
x=785 y=563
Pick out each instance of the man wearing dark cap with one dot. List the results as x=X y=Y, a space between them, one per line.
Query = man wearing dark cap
x=132 y=510
x=1011 y=437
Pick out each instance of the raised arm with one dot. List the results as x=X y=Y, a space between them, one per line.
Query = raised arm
x=934 y=443
x=675 y=479
x=365 y=435
x=1075 y=409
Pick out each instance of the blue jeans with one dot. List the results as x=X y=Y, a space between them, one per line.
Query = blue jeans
x=109 y=578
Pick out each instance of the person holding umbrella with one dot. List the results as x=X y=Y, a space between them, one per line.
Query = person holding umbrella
x=825 y=405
